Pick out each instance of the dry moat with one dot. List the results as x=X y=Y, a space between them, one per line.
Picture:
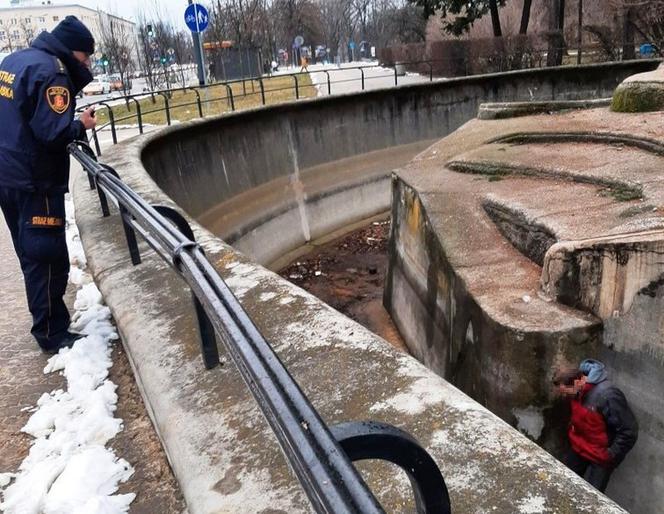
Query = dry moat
x=349 y=275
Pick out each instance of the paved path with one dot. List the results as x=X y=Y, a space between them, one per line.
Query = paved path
x=22 y=382
x=348 y=80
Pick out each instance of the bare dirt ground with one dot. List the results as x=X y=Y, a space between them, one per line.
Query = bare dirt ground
x=348 y=274
x=153 y=480
x=22 y=382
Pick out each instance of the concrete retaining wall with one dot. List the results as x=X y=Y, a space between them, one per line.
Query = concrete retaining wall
x=260 y=180
x=222 y=451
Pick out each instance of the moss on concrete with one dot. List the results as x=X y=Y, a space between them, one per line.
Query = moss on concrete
x=638 y=97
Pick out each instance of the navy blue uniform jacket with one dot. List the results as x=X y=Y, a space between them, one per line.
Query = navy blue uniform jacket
x=37 y=90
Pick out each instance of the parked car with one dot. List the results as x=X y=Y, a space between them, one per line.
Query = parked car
x=117 y=84
x=97 y=87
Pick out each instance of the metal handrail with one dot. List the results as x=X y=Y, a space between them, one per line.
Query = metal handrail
x=320 y=457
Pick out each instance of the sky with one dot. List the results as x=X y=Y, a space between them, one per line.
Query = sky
x=173 y=10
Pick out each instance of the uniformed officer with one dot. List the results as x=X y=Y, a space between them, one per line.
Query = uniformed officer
x=37 y=90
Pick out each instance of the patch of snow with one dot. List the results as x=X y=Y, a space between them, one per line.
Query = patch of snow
x=68 y=470
x=530 y=421
x=422 y=392
x=266 y=297
x=5 y=478
x=532 y=505
x=242 y=279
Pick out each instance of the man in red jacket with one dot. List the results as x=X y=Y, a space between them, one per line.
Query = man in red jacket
x=602 y=427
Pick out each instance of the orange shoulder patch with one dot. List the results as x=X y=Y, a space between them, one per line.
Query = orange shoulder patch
x=58 y=98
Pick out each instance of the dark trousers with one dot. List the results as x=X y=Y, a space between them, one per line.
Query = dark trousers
x=594 y=474
x=36 y=221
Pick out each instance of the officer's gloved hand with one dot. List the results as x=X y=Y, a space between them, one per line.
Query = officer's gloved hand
x=88 y=118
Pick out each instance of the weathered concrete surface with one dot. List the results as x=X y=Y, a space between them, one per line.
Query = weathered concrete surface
x=22 y=382
x=22 y=379
x=502 y=110
x=223 y=452
x=643 y=92
x=272 y=219
x=501 y=218
x=262 y=179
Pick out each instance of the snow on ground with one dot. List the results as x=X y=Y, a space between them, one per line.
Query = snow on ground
x=68 y=469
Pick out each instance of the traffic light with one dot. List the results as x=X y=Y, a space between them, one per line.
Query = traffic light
x=104 y=60
x=163 y=60
x=149 y=30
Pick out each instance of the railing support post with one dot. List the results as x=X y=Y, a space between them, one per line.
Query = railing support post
x=96 y=139
x=297 y=87
x=111 y=118
x=376 y=440
x=260 y=83
x=395 y=74
x=198 y=101
x=130 y=233
x=208 y=342
x=166 y=104
x=139 y=115
x=362 y=72
x=329 y=84
x=229 y=94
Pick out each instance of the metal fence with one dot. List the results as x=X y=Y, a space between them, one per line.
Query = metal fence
x=136 y=107
x=251 y=87
x=320 y=456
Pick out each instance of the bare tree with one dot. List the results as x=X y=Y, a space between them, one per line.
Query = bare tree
x=642 y=17
x=27 y=32
x=556 y=33
x=116 y=45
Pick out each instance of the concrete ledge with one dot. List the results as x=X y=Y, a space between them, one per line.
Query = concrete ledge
x=493 y=274
x=223 y=452
x=270 y=180
x=502 y=110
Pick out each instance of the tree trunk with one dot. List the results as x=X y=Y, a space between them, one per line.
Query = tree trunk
x=628 y=35
x=556 y=37
x=495 y=18
x=525 y=17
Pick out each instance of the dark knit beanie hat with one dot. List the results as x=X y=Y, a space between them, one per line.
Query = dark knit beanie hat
x=74 y=35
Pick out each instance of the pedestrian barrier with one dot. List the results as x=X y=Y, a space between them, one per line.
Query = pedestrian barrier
x=321 y=456
x=230 y=98
x=426 y=68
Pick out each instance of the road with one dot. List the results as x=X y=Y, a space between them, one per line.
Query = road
x=348 y=79
x=138 y=86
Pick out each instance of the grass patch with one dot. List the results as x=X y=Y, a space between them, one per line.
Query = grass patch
x=636 y=210
x=622 y=193
x=638 y=97
x=183 y=105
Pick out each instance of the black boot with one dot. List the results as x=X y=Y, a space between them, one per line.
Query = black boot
x=66 y=342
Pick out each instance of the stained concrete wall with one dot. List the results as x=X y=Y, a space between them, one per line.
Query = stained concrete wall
x=621 y=280
x=223 y=452
x=259 y=178
x=504 y=360
x=467 y=251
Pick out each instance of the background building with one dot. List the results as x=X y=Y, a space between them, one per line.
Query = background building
x=24 y=20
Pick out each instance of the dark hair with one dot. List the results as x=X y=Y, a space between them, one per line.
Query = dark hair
x=567 y=376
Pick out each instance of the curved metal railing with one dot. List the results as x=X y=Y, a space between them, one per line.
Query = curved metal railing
x=321 y=457
x=257 y=86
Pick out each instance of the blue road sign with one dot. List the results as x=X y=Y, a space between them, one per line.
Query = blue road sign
x=196 y=17
x=352 y=45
